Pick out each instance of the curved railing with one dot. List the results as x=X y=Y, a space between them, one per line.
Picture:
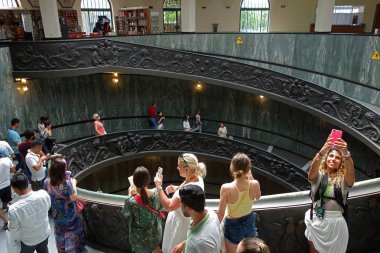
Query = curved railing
x=91 y=153
x=62 y=58
x=279 y=219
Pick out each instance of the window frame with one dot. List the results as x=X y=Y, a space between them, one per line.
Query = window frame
x=17 y=2
x=88 y=10
x=254 y=9
x=167 y=9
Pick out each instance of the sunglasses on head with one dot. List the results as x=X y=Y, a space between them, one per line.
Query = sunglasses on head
x=183 y=159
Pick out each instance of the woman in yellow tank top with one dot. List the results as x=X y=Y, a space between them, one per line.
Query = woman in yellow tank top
x=238 y=197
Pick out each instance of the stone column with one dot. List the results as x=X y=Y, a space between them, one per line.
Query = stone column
x=188 y=17
x=49 y=13
x=324 y=15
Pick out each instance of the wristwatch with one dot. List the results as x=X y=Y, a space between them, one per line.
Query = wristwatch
x=348 y=155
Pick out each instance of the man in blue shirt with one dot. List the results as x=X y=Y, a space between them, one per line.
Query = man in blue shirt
x=14 y=140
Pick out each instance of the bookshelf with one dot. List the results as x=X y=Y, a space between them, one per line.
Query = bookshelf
x=135 y=20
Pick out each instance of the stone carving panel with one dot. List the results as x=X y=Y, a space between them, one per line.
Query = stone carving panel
x=89 y=152
x=77 y=55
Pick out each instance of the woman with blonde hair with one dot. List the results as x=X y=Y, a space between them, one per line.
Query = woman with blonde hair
x=252 y=245
x=238 y=197
x=331 y=175
x=177 y=224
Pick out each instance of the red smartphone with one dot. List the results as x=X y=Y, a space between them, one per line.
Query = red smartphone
x=335 y=135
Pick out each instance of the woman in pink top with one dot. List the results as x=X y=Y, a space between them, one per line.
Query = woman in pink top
x=99 y=127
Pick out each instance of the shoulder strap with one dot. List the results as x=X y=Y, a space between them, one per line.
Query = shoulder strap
x=318 y=193
x=140 y=202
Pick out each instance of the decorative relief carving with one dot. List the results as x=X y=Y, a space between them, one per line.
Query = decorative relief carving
x=105 y=53
x=353 y=115
x=32 y=58
x=92 y=53
x=98 y=149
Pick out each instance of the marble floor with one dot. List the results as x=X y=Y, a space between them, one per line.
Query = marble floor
x=52 y=248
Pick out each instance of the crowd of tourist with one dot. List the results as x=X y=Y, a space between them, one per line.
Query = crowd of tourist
x=41 y=182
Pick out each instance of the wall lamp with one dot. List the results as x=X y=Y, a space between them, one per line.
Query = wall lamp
x=115 y=79
x=22 y=84
x=199 y=86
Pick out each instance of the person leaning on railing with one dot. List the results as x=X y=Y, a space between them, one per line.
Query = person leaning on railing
x=331 y=176
x=238 y=197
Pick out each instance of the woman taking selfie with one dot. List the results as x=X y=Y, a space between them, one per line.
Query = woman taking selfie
x=177 y=224
x=143 y=213
x=331 y=175
x=238 y=197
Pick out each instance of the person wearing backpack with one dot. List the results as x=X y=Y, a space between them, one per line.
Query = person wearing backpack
x=331 y=176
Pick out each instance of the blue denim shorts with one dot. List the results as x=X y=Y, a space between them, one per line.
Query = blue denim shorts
x=236 y=230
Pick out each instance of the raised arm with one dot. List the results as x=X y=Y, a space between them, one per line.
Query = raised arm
x=169 y=204
x=313 y=172
x=349 y=177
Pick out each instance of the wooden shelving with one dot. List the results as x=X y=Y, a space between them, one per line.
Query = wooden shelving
x=133 y=21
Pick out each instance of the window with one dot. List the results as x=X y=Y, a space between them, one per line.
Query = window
x=172 y=15
x=9 y=4
x=254 y=15
x=348 y=14
x=92 y=10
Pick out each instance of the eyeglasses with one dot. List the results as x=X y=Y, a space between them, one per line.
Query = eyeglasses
x=183 y=159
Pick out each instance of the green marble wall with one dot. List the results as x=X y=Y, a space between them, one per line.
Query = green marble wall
x=345 y=56
x=73 y=99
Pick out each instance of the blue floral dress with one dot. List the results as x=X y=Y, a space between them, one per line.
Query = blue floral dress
x=145 y=227
x=68 y=229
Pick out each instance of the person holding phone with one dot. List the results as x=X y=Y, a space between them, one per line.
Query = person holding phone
x=142 y=208
x=238 y=197
x=331 y=176
x=177 y=224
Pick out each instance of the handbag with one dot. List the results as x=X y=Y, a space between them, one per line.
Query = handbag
x=141 y=203
x=80 y=205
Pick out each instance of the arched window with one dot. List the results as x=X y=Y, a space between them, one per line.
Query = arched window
x=254 y=15
x=92 y=10
x=172 y=15
x=9 y=4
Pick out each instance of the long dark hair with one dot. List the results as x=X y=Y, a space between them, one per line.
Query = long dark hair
x=57 y=172
x=141 y=179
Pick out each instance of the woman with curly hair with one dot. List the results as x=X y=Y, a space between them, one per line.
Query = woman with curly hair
x=331 y=176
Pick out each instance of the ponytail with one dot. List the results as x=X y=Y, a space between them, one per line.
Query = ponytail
x=201 y=170
x=144 y=196
x=238 y=174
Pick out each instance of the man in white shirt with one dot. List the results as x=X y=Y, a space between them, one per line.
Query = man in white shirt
x=204 y=234
x=6 y=167
x=28 y=217
x=7 y=147
x=222 y=131
x=35 y=160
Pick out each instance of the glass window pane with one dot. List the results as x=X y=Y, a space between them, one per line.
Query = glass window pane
x=91 y=10
x=254 y=16
x=8 y=4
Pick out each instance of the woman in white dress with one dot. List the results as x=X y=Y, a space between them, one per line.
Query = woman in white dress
x=331 y=176
x=177 y=224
